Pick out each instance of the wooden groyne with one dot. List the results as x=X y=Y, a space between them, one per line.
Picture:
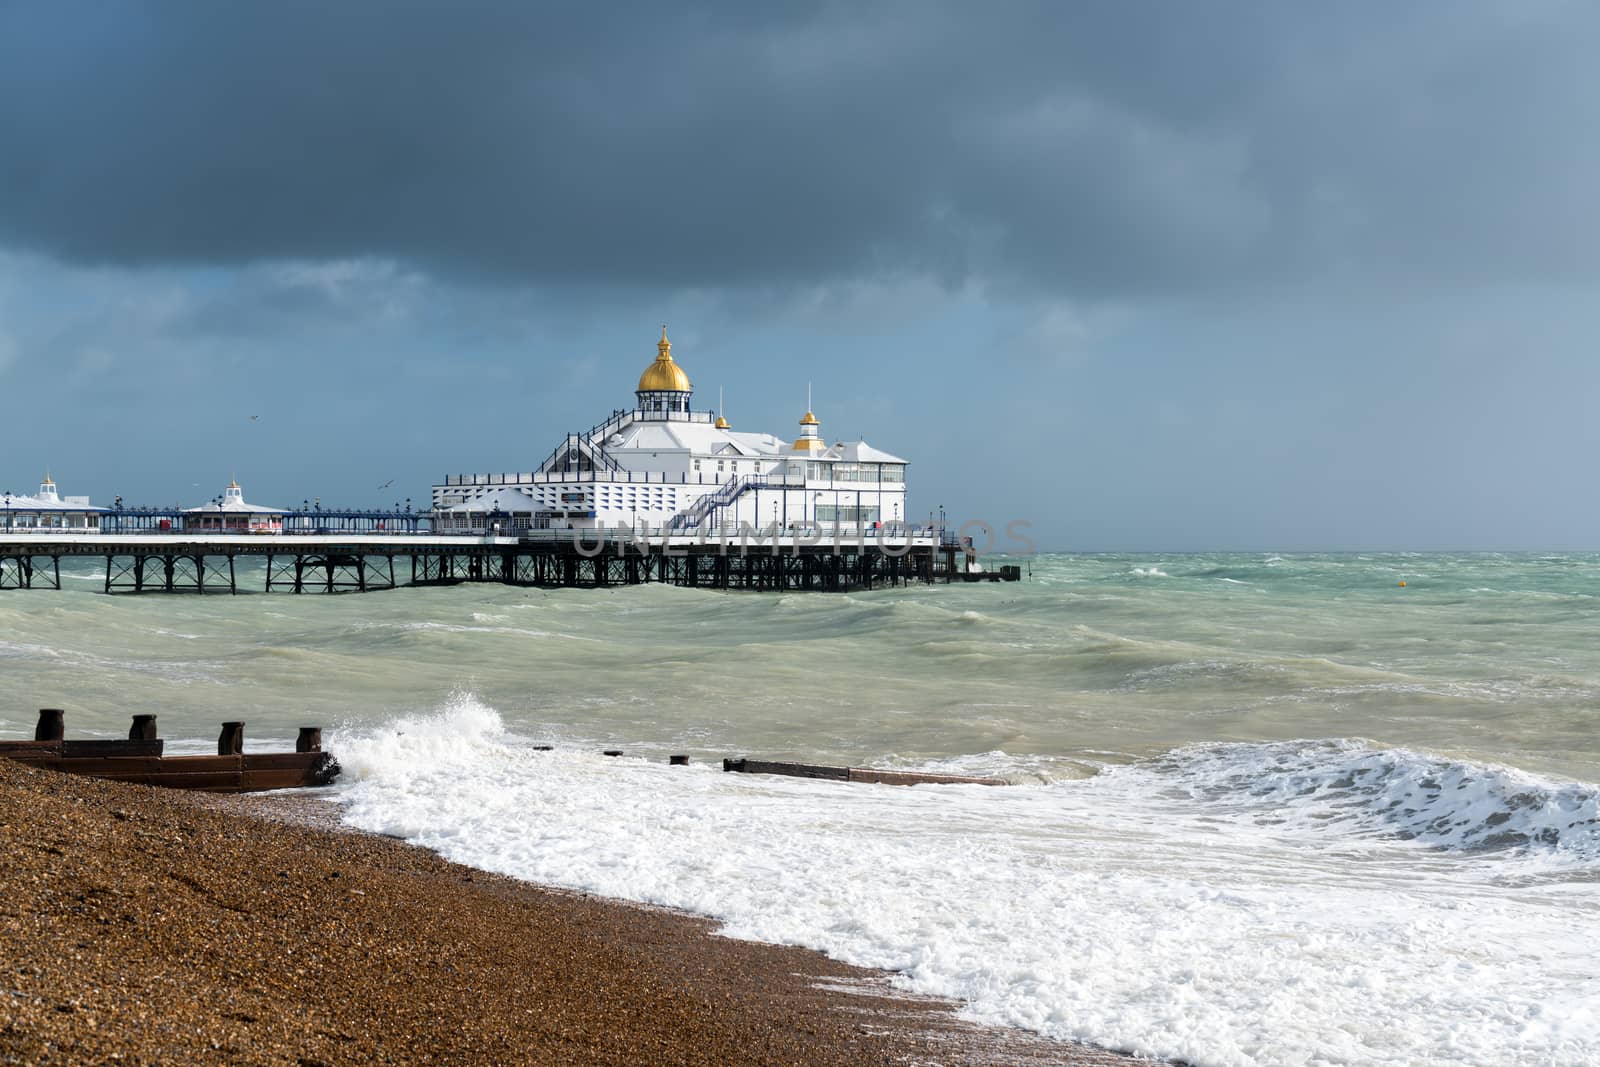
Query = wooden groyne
x=140 y=758
x=873 y=775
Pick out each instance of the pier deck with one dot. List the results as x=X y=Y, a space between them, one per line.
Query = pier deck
x=192 y=562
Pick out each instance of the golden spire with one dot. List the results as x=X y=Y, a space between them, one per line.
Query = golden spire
x=664 y=376
x=808 y=441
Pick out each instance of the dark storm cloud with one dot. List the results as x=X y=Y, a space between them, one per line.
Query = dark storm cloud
x=1078 y=148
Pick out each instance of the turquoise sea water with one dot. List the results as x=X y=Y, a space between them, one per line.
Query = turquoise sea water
x=1269 y=809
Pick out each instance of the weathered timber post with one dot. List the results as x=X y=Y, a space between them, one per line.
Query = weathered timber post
x=677 y=761
x=310 y=739
x=52 y=725
x=231 y=741
x=143 y=728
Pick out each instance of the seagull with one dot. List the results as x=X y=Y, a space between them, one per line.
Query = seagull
x=387 y=484
x=253 y=418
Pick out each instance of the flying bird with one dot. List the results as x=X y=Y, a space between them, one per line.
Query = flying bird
x=253 y=418
x=387 y=484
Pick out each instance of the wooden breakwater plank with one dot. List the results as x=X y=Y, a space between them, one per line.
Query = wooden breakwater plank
x=30 y=750
x=279 y=761
x=853 y=774
x=792 y=770
x=206 y=781
x=72 y=749
x=124 y=764
x=881 y=777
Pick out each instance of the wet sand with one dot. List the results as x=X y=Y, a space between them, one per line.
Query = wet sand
x=145 y=926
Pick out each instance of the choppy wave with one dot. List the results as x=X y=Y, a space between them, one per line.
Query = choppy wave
x=1348 y=786
x=1209 y=904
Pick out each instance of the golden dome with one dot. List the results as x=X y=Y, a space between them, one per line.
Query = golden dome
x=664 y=376
x=808 y=420
x=722 y=423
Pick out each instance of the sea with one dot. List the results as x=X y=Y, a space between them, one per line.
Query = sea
x=1265 y=809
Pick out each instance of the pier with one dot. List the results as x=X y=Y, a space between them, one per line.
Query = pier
x=655 y=493
x=153 y=560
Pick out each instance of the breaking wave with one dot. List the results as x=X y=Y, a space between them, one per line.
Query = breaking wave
x=1349 y=786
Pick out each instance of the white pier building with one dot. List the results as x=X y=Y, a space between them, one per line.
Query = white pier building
x=231 y=513
x=662 y=466
x=48 y=510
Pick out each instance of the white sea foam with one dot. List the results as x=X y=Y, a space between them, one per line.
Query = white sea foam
x=1346 y=785
x=1310 y=903
x=1150 y=572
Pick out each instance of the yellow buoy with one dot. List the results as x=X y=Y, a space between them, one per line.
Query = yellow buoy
x=1402 y=583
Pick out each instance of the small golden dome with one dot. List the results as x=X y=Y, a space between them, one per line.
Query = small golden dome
x=664 y=376
x=808 y=420
x=722 y=423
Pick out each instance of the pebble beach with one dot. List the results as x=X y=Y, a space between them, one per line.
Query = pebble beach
x=142 y=926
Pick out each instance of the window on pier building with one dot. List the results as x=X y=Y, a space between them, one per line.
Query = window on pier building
x=840 y=513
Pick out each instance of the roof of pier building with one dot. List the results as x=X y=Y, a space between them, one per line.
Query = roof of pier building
x=678 y=431
x=48 y=499
x=700 y=438
x=233 y=503
x=861 y=452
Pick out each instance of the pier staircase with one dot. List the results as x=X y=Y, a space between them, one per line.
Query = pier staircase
x=586 y=451
x=692 y=516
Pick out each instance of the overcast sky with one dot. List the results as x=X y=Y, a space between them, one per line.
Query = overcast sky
x=1148 y=275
